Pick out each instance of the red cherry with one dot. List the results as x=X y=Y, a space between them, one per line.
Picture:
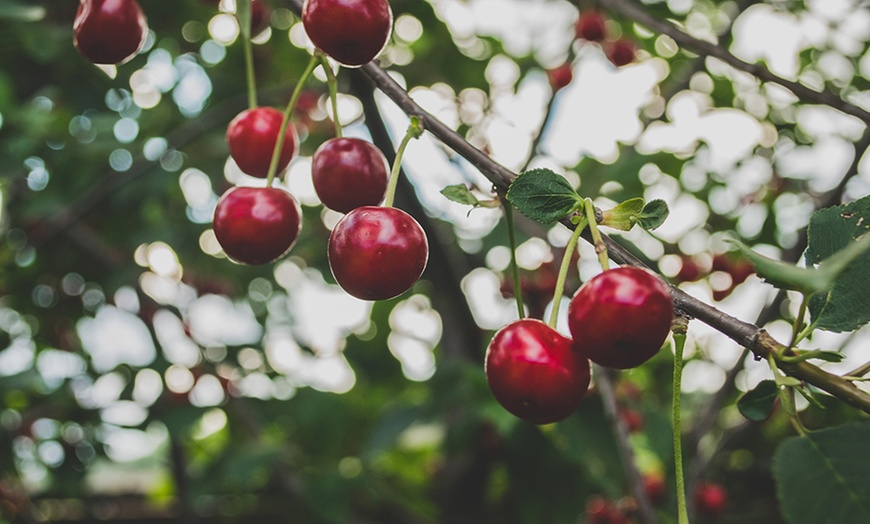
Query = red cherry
x=109 y=31
x=535 y=373
x=256 y=225
x=621 y=317
x=259 y=17
x=655 y=489
x=711 y=499
x=690 y=270
x=349 y=173
x=560 y=76
x=352 y=32
x=376 y=253
x=621 y=52
x=590 y=26
x=632 y=418
x=252 y=135
x=602 y=511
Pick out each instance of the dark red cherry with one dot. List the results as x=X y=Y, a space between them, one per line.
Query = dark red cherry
x=252 y=135
x=352 y=32
x=560 y=76
x=535 y=373
x=655 y=488
x=711 y=499
x=621 y=52
x=621 y=317
x=256 y=225
x=348 y=173
x=376 y=253
x=590 y=26
x=260 y=13
x=109 y=31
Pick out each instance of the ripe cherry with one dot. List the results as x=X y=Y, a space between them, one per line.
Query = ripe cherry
x=259 y=17
x=602 y=511
x=376 y=253
x=348 y=173
x=690 y=270
x=711 y=499
x=535 y=373
x=621 y=317
x=655 y=488
x=590 y=26
x=109 y=31
x=632 y=418
x=252 y=135
x=620 y=52
x=560 y=76
x=352 y=32
x=256 y=225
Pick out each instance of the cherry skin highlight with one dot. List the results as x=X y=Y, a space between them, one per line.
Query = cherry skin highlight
x=352 y=32
x=620 y=318
x=109 y=32
x=535 y=372
x=256 y=225
x=348 y=173
x=376 y=253
x=252 y=135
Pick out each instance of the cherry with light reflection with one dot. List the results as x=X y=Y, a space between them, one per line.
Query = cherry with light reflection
x=352 y=32
x=252 y=135
x=109 y=32
x=348 y=173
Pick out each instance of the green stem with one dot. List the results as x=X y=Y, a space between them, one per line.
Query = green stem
x=679 y=344
x=515 y=270
x=563 y=271
x=415 y=129
x=600 y=246
x=249 y=72
x=332 y=83
x=798 y=322
x=276 y=153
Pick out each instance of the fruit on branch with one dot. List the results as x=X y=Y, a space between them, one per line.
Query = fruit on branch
x=621 y=317
x=260 y=13
x=376 y=253
x=560 y=76
x=632 y=418
x=591 y=26
x=353 y=32
x=535 y=372
x=711 y=499
x=620 y=52
x=256 y=225
x=109 y=32
x=252 y=135
x=655 y=488
x=537 y=287
x=690 y=270
x=348 y=173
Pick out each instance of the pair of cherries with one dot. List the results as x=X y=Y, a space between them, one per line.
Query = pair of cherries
x=619 y=319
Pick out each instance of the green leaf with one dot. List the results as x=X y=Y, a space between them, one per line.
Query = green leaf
x=782 y=274
x=827 y=356
x=20 y=12
x=654 y=214
x=460 y=194
x=757 y=404
x=832 y=230
x=243 y=13
x=822 y=477
x=623 y=216
x=543 y=196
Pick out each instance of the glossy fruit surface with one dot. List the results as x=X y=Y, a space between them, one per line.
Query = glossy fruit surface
x=711 y=499
x=348 y=173
x=560 y=76
x=109 y=31
x=621 y=317
x=256 y=225
x=535 y=372
x=376 y=253
x=352 y=32
x=252 y=135
x=621 y=52
x=590 y=26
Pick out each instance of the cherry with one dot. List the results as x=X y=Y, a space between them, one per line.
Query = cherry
x=535 y=373
x=632 y=418
x=655 y=489
x=376 y=253
x=621 y=317
x=252 y=135
x=352 y=32
x=711 y=499
x=349 y=173
x=621 y=52
x=590 y=26
x=259 y=17
x=690 y=270
x=256 y=225
x=560 y=76
x=109 y=31
x=602 y=511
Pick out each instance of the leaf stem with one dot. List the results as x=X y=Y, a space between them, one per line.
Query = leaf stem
x=282 y=131
x=679 y=344
x=598 y=240
x=798 y=323
x=515 y=270
x=415 y=129
x=563 y=271
x=249 y=71
x=332 y=83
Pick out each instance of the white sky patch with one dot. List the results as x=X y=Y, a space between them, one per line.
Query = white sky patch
x=215 y=320
x=115 y=337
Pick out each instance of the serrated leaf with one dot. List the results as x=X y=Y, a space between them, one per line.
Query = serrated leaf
x=623 y=216
x=846 y=306
x=243 y=13
x=654 y=214
x=757 y=404
x=823 y=470
x=543 y=195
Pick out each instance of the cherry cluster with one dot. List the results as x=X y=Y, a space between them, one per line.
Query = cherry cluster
x=619 y=319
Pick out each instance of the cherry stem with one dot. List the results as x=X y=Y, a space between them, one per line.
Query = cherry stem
x=597 y=239
x=796 y=334
x=248 y=48
x=282 y=131
x=563 y=271
x=680 y=327
x=415 y=129
x=515 y=270
x=332 y=82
